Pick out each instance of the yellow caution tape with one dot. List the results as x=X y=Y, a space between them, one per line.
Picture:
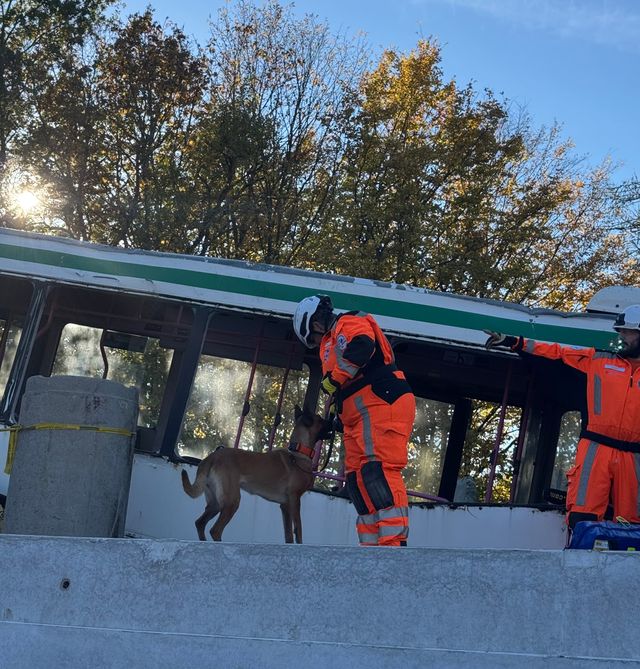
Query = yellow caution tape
x=14 y=429
x=11 y=451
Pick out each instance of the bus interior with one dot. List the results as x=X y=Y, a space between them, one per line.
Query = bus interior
x=491 y=427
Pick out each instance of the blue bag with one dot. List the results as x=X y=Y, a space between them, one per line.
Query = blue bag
x=606 y=535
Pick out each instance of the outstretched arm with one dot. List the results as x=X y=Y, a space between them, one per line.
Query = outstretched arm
x=577 y=357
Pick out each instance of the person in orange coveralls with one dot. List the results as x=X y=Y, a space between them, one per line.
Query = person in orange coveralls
x=608 y=456
x=376 y=407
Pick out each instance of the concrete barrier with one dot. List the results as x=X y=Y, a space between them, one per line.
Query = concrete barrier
x=143 y=603
x=69 y=482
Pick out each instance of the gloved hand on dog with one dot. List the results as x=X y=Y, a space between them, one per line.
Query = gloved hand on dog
x=499 y=340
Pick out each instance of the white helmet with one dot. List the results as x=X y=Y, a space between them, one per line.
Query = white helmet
x=629 y=319
x=305 y=311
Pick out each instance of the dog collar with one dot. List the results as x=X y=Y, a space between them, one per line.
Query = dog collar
x=301 y=448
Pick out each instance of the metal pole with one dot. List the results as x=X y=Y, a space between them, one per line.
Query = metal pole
x=277 y=419
x=246 y=407
x=496 y=446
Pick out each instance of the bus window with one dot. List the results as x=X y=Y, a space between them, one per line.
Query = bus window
x=425 y=450
x=10 y=336
x=216 y=404
x=427 y=445
x=570 y=427
x=479 y=445
x=79 y=355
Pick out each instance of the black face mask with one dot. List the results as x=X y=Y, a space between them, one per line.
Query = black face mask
x=630 y=350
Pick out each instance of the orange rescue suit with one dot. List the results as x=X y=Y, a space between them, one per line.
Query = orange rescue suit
x=608 y=455
x=377 y=408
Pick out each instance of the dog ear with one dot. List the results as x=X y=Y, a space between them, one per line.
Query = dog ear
x=297 y=411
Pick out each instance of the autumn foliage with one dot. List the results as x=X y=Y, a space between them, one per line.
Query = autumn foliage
x=280 y=142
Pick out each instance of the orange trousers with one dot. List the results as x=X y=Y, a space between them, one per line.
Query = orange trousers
x=388 y=526
x=376 y=433
x=601 y=474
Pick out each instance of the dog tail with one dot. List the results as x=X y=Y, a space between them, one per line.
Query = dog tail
x=197 y=488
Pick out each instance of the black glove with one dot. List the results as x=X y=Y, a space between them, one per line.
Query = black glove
x=497 y=339
x=337 y=425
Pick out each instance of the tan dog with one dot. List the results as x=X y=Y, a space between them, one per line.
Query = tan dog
x=281 y=476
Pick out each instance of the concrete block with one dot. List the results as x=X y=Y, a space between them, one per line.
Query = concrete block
x=72 y=482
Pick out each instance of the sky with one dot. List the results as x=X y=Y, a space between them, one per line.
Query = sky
x=574 y=62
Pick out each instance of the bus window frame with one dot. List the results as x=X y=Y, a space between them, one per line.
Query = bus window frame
x=187 y=346
x=179 y=381
x=462 y=411
x=18 y=375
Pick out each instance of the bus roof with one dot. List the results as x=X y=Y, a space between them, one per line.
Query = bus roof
x=401 y=309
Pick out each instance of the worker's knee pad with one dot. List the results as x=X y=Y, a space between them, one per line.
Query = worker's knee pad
x=577 y=516
x=375 y=483
x=355 y=495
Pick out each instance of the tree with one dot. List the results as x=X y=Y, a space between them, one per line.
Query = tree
x=151 y=85
x=34 y=35
x=65 y=140
x=449 y=190
x=626 y=198
x=269 y=147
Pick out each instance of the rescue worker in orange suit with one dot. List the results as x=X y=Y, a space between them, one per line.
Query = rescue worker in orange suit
x=376 y=407
x=607 y=461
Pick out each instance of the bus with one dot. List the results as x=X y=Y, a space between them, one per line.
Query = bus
x=209 y=345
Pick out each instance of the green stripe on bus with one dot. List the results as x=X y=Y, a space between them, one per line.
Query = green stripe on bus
x=266 y=289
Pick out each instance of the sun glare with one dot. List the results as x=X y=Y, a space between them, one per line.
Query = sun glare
x=26 y=201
